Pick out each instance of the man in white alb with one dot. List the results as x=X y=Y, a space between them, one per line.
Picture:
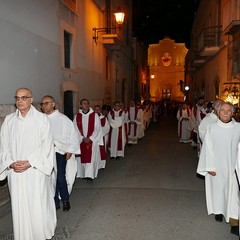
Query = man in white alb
x=217 y=162
x=27 y=158
x=66 y=143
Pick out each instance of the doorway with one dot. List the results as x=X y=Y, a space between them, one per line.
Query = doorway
x=68 y=104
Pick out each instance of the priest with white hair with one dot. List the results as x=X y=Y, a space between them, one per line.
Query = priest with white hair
x=217 y=162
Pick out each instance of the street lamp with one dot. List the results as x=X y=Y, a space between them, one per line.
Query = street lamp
x=119 y=18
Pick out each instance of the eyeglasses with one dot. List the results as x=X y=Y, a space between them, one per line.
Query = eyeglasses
x=44 y=103
x=24 y=98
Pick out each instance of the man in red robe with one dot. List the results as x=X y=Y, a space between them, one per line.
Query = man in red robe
x=117 y=135
x=88 y=124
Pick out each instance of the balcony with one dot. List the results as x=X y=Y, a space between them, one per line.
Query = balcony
x=110 y=39
x=195 y=63
x=233 y=27
x=193 y=59
x=203 y=47
x=209 y=41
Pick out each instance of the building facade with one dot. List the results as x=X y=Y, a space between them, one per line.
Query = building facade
x=69 y=49
x=166 y=61
x=213 y=60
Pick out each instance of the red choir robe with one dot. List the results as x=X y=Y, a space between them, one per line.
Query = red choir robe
x=88 y=126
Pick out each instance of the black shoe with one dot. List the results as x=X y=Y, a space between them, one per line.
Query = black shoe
x=57 y=204
x=66 y=206
x=3 y=182
x=89 y=179
x=235 y=230
x=117 y=157
x=219 y=217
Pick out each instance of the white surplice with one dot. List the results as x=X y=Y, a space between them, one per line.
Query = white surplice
x=117 y=120
x=183 y=116
x=32 y=193
x=219 y=154
x=197 y=114
x=65 y=140
x=202 y=128
x=89 y=170
x=141 y=127
x=134 y=122
x=105 y=132
x=195 y=117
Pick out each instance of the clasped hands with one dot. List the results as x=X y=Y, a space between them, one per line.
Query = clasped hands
x=87 y=140
x=20 y=166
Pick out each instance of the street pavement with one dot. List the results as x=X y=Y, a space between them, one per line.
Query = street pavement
x=153 y=193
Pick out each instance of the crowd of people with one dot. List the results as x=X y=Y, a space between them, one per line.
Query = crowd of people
x=43 y=152
x=213 y=131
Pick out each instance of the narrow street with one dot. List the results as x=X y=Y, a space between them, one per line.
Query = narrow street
x=151 y=194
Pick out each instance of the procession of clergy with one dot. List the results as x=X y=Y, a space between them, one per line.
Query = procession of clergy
x=100 y=132
x=109 y=131
x=212 y=129
x=41 y=154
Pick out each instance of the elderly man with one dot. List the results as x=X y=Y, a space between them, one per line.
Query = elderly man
x=217 y=163
x=66 y=143
x=27 y=158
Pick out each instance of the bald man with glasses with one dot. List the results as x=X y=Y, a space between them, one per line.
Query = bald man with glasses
x=27 y=158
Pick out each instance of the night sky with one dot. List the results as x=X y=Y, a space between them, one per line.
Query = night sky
x=155 y=19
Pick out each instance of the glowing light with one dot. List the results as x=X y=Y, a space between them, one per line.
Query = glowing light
x=119 y=16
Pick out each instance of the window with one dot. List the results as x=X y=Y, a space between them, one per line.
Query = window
x=166 y=94
x=236 y=54
x=67 y=49
x=68 y=46
x=107 y=67
x=71 y=4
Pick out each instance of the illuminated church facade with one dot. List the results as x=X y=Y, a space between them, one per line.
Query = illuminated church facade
x=166 y=61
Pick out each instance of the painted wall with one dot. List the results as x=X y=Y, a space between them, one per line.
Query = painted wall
x=29 y=48
x=205 y=79
x=215 y=71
